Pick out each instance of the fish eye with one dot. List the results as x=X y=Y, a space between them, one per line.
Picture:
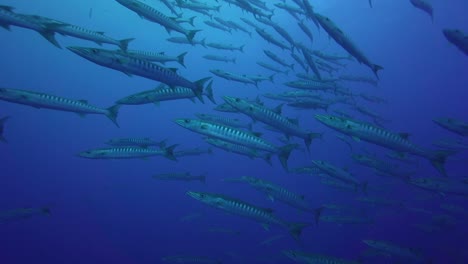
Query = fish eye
x=94 y=51
x=202 y=195
x=237 y=100
x=187 y=121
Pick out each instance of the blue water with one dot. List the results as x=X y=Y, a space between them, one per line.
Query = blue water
x=112 y=211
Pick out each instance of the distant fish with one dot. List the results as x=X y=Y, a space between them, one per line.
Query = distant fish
x=454 y=125
x=395 y=250
x=186 y=176
x=153 y=15
x=140 y=142
x=182 y=40
x=2 y=128
x=128 y=153
x=239 y=149
x=223 y=46
x=234 y=77
x=193 y=152
x=219 y=58
x=303 y=257
x=457 y=38
x=22 y=213
x=42 y=100
x=441 y=185
x=340 y=174
x=424 y=6
x=160 y=57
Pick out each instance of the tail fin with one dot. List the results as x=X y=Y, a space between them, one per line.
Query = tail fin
x=191 y=34
x=181 y=59
x=241 y=48
x=284 y=154
x=438 y=161
x=203 y=42
x=169 y=152
x=199 y=88
x=209 y=92
x=370 y=3
x=271 y=78
x=295 y=229
x=317 y=213
x=191 y=20
x=112 y=113
x=375 y=69
x=123 y=44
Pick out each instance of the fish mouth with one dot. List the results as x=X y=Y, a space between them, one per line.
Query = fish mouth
x=182 y=122
x=79 y=50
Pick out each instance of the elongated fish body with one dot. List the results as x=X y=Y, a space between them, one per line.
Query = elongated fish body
x=236 y=136
x=310 y=103
x=250 y=23
x=276 y=192
x=330 y=57
x=179 y=177
x=190 y=259
x=237 y=207
x=439 y=185
x=306 y=30
x=217 y=26
x=219 y=58
x=457 y=38
x=271 y=67
x=80 y=32
x=197 y=6
x=224 y=107
x=277 y=59
x=284 y=34
x=233 y=77
x=192 y=152
x=9 y=18
x=42 y=100
x=379 y=136
x=2 y=128
x=239 y=149
x=395 y=249
x=424 y=6
x=151 y=14
x=340 y=38
x=311 y=85
x=222 y=46
x=233 y=122
x=128 y=153
x=290 y=8
x=140 y=142
x=270 y=39
x=180 y=40
x=309 y=258
x=270 y=117
x=300 y=61
x=169 y=5
x=309 y=11
x=143 y=68
x=456 y=126
x=154 y=56
x=22 y=213
x=381 y=167
x=311 y=62
x=336 y=172
x=345 y=219
x=164 y=93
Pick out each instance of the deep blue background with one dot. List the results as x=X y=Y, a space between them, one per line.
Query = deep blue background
x=113 y=212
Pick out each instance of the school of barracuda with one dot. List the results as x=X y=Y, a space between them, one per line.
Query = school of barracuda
x=316 y=82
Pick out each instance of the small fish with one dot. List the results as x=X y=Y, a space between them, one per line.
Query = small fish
x=186 y=176
x=128 y=153
x=22 y=213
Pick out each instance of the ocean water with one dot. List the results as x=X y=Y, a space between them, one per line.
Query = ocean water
x=112 y=211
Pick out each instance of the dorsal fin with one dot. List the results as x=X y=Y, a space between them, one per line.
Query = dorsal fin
x=174 y=70
x=83 y=101
x=162 y=53
x=100 y=32
x=278 y=109
x=294 y=121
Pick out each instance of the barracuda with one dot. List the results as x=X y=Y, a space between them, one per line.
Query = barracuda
x=233 y=122
x=310 y=61
x=160 y=57
x=339 y=173
x=140 y=142
x=239 y=149
x=143 y=68
x=128 y=153
x=233 y=77
x=165 y=93
x=153 y=15
x=42 y=100
x=271 y=67
x=303 y=257
x=396 y=250
x=9 y=18
x=276 y=192
x=306 y=30
x=379 y=136
x=277 y=59
x=186 y=176
x=270 y=39
x=270 y=117
x=264 y=216
x=236 y=136
x=311 y=85
x=340 y=38
x=219 y=58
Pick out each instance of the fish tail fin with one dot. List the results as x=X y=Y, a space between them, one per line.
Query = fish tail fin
x=203 y=42
x=295 y=229
x=271 y=78
x=292 y=66
x=112 y=113
x=370 y=3
x=438 y=161
x=181 y=59
x=317 y=213
x=191 y=20
x=198 y=91
x=267 y=158
x=241 y=48
x=309 y=138
x=209 y=92
x=376 y=68
x=191 y=34
x=284 y=154
x=169 y=152
x=123 y=44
